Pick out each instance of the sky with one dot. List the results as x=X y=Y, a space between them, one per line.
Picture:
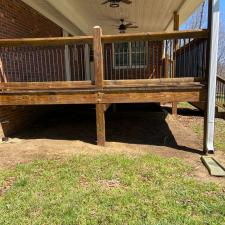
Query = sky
x=222 y=17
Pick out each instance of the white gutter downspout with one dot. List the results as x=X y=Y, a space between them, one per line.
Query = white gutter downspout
x=213 y=24
x=67 y=58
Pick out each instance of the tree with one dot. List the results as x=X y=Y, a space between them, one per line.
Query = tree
x=221 y=53
x=199 y=21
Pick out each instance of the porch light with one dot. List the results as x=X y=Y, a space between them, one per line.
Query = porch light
x=114 y=4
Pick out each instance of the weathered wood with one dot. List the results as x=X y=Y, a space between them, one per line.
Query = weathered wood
x=153 y=36
x=46 y=85
x=174 y=108
x=106 y=96
x=46 y=41
x=98 y=57
x=100 y=124
x=151 y=82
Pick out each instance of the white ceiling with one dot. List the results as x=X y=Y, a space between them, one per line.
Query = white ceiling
x=80 y=16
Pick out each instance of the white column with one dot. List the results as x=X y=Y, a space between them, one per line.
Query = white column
x=67 y=58
x=213 y=50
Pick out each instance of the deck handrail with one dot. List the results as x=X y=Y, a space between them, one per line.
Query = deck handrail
x=153 y=36
x=45 y=41
x=105 y=38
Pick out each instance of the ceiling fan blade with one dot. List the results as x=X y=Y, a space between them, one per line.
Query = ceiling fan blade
x=129 y=24
x=126 y=1
x=133 y=27
x=105 y=2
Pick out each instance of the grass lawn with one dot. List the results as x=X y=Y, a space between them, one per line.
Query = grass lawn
x=108 y=189
x=219 y=132
x=197 y=126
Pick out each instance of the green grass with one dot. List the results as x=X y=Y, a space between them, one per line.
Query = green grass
x=109 y=189
x=219 y=133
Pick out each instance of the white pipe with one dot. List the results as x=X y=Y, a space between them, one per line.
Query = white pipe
x=209 y=145
x=67 y=58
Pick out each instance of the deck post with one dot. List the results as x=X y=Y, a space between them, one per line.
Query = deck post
x=176 y=24
x=213 y=27
x=98 y=71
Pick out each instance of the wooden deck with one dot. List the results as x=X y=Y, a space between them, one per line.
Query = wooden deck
x=33 y=74
x=112 y=92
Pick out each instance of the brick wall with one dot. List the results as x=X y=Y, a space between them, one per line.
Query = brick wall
x=18 y=20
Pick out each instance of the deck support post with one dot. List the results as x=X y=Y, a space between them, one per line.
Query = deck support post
x=176 y=25
x=99 y=77
x=209 y=122
x=100 y=124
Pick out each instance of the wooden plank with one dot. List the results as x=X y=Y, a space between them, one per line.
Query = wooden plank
x=98 y=57
x=46 y=41
x=221 y=79
x=158 y=81
x=214 y=168
x=103 y=96
x=46 y=85
x=153 y=36
x=166 y=96
x=100 y=124
x=47 y=98
x=174 y=108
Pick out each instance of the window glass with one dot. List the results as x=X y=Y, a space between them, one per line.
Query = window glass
x=121 y=51
x=130 y=54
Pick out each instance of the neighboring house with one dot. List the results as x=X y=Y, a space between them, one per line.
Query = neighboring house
x=152 y=62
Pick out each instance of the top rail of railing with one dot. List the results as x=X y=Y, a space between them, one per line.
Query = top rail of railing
x=151 y=36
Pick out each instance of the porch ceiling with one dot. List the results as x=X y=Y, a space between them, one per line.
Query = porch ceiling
x=79 y=16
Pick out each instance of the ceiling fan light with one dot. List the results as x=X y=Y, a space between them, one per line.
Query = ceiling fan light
x=114 y=4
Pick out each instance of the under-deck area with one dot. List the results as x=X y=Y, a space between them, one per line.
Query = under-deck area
x=132 y=128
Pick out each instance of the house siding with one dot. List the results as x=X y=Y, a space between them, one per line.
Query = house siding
x=18 y=20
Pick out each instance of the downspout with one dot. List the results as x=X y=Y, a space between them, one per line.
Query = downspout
x=213 y=26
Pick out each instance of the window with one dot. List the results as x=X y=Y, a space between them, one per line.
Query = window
x=130 y=54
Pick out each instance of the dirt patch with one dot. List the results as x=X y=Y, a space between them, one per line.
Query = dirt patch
x=7 y=184
x=70 y=132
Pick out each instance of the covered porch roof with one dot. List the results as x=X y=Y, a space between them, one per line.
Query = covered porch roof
x=80 y=16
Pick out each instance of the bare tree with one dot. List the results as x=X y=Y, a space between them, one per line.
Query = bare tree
x=199 y=19
x=221 y=53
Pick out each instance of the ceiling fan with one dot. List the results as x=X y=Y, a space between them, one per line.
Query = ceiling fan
x=124 y=26
x=116 y=3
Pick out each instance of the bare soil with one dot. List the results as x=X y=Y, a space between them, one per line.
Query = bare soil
x=132 y=130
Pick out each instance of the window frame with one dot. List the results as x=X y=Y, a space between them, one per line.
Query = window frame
x=130 y=65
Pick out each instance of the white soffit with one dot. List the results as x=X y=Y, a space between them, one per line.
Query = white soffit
x=80 y=16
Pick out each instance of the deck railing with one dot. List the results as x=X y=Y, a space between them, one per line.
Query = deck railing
x=220 y=92
x=45 y=60
x=95 y=60
x=155 y=55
